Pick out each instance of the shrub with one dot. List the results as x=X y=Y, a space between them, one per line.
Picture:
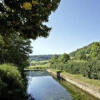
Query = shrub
x=11 y=83
x=90 y=69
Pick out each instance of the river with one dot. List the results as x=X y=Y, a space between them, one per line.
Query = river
x=42 y=86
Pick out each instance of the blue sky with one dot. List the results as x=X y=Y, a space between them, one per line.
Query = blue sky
x=75 y=23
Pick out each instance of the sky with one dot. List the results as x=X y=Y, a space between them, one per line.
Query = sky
x=76 y=23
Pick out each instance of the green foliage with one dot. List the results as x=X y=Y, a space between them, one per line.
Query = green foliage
x=20 y=20
x=54 y=59
x=1 y=41
x=11 y=83
x=95 y=50
x=27 y=17
x=81 y=55
x=64 y=58
x=85 y=61
x=90 y=69
x=15 y=50
x=59 y=61
x=91 y=51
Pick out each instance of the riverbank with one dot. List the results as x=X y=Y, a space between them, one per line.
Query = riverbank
x=80 y=82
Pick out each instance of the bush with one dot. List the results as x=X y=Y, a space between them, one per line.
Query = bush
x=11 y=83
x=90 y=69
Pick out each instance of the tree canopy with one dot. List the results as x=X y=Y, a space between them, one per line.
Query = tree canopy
x=26 y=17
x=15 y=50
x=64 y=58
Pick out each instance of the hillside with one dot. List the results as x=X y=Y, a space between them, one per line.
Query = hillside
x=84 y=61
x=40 y=57
x=92 y=51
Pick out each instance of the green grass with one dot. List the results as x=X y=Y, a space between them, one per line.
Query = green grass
x=39 y=65
x=39 y=62
x=36 y=62
x=55 y=70
x=75 y=92
x=78 y=61
x=45 y=65
x=93 y=82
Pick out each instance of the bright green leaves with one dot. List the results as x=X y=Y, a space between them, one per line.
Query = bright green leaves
x=95 y=49
x=27 y=6
x=35 y=2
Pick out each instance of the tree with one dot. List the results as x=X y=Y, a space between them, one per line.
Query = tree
x=15 y=50
x=26 y=17
x=95 y=50
x=54 y=59
x=1 y=41
x=64 y=58
x=81 y=54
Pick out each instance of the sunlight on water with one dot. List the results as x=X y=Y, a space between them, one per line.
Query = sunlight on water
x=45 y=87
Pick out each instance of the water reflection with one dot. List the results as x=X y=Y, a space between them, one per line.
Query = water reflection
x=42 y=86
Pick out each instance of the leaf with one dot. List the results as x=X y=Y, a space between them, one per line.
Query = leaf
x=27 y=6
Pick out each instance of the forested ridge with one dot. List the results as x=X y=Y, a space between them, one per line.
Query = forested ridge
x=92 y=51
x=84 y=61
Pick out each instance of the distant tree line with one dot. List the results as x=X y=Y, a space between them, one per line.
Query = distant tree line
x=40 y=57
x=85 y=61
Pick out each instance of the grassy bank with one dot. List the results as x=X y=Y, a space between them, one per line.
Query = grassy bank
x=92 y=82
x=77 y=93
x=12 y=84
x=86 y=84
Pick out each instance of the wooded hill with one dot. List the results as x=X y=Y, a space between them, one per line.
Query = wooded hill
x=84 y=61
x=92 y=51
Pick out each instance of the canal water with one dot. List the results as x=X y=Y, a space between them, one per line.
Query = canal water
x=42 y=86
